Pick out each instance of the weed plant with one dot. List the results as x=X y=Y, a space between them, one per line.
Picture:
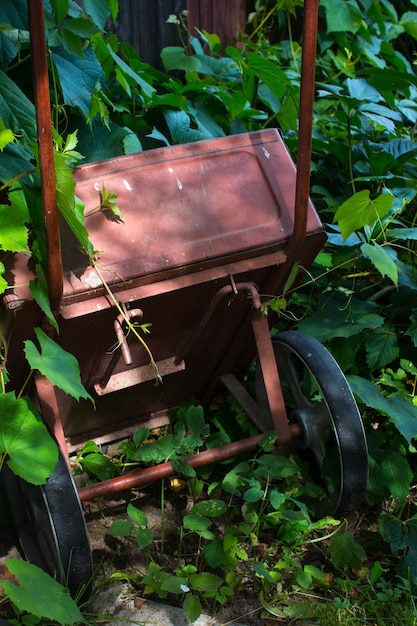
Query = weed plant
x=250 y=526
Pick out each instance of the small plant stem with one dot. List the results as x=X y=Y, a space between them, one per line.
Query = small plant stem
x=162 y=515
x=128 y=322
x=15 y=178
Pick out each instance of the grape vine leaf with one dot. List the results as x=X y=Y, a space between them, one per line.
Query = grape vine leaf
x=32 y=453
x=360 y=210
x=59 y=366
x=35 y=592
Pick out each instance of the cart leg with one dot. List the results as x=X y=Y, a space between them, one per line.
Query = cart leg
x=271 y=379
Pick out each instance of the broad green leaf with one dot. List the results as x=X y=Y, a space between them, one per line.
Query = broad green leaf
x=196 y=522
x=402 y=412
x=179 y=124
x=175 y=58
x=261 y=570
x=39 y=291
x=32 y=452
x=121 y=528
x=304 y=579
x=99 y=465
x=71 y=209
x=78 y=77
x=214 y=553
x=382 y=261
x=174 y=584
x=268 y=72
x=344 y=550
x=210 y=508
x=13 y=231
x=381 y=348
x=6 y=137
x=137 y=515
x=361 y=90
x=36 y=592
x=192 y=607
x=402 y=233
x=409 y=22
x=196 y=421
x=180 y=466
x=360 y=210
x=59 y=366
x=253 y=494
x=146 y=87
x=149 y=453
x=342 y=16
x=16 y=109
x=393 y=531
x=396 y=473
x=206 y=582
x=334 y=322
x=144 y=537
x=98 y=11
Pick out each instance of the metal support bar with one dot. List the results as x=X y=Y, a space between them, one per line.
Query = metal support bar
x=46 y=154
x=305 y=125
x=150 y=474
x=270 y=375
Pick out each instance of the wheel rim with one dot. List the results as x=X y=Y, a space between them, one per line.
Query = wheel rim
x=50 y=526
x=317 y=396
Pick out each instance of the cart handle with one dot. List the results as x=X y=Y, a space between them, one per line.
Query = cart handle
x=46 y=153
x=305 y=125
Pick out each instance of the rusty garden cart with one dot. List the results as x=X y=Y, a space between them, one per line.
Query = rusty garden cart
x=210 y=230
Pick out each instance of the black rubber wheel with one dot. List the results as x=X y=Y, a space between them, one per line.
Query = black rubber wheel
x=317 y=396
x=50 y=526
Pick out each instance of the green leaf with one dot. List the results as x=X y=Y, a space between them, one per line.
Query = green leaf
x=196 y=522
x=121 y=528
x=393 y=531
x=344 y=550
x=380 y=258
x=180 y=466
x=253 y=494
x=206 y=583
x=174 y=584
x=59 y=366
x=6 y=137
x=40 y=595
x=39 y=291
x=99 y=465
x=342 y=17
x=261 y=570
x=32 y=452
x=78 y=77
x=409 y=22
x=396 y=473
x=175 y=58
x=144 y=537
x=333 y=322
x=72 y=211
x=192 y=607
x=13 y=231
x=16 y=108
x=146 y=87
x=138 y=516
x=98 y=11
x=359 y=210
x=402 y=412
x=381 y=348
x=196 y=421
x=214 y=553
x=269 y=73
x=210 y=508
